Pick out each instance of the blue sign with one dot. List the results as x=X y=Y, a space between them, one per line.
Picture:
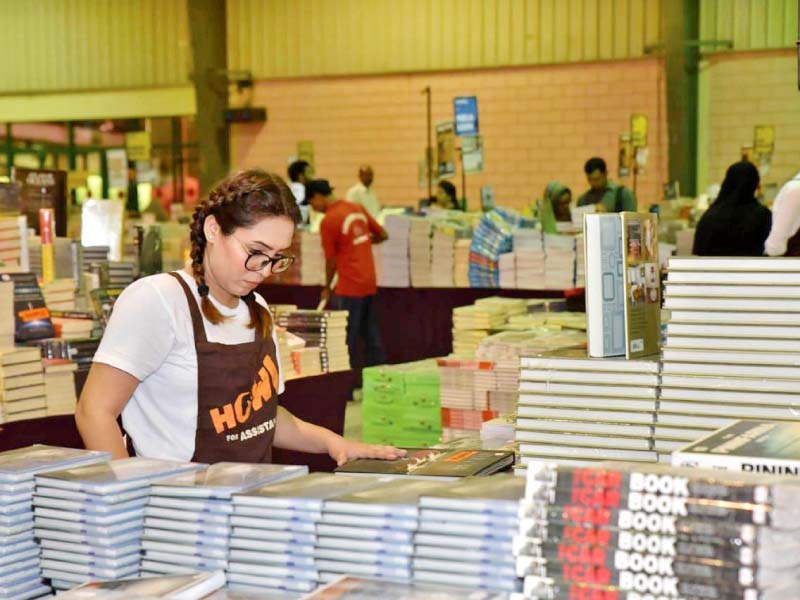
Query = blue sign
x=466 y=115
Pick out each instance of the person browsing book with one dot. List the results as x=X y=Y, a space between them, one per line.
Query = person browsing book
x=604 y=194
x=189 y=358
x=736 y=224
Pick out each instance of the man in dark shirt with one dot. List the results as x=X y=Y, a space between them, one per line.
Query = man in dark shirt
x=606 y=195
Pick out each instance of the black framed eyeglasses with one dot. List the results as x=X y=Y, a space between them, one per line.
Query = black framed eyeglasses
x=258 y=261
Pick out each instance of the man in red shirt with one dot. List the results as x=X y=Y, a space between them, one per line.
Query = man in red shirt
x=347 y=233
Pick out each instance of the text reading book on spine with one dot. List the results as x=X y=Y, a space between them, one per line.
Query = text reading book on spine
x=623 y=284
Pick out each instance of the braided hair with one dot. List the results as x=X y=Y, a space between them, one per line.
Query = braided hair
x=240 y=200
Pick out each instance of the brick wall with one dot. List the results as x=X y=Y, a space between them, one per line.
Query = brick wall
x=539 y=123
x=749 y=89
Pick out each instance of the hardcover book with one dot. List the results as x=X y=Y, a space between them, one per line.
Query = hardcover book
x=431 y=462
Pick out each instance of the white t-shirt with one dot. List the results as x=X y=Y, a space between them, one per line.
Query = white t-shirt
x=785 y=218
x=363 y=195
x=150 y=336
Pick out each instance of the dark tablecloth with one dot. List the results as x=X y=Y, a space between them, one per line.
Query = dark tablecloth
x=416 y=323
x=320 y=400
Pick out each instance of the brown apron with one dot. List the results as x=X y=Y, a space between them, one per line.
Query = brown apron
x=237 y=395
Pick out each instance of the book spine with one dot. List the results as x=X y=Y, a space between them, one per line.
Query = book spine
x=751 y=464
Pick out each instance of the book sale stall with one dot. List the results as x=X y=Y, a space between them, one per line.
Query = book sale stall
x=575 y=427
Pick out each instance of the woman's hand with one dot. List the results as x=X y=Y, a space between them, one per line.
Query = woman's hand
x=342 y=450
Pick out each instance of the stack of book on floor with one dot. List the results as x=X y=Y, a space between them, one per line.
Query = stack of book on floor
x=419 y=250
x=466 y=534
x=559 y=262
x=22 y=391
x=120 y=274
x=387 y=514
x=324 y=330
x=394 y=269
x=274 y=536
x=59 y=294
x=655 y=530
x=461 y=263
x=59 y=386
x=186 y=587
x=89 y=519
x=732 y=341
x=187 y=520
x=576 y=409
x=507 y=271
x=312 y=269
x=20 y=575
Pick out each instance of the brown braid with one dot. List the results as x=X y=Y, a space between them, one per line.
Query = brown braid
x=240 y=200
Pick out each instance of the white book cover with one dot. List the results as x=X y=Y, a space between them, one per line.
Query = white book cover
x=743 y=330
x=621 y=404
x=585 y=415
x=730 y=357
x=728 y=397
x=775 y=305
x=588 y=389
x=729 y=317
x=605 y=289
x=23 y=463
x=593 y=377
x=765 y=278
x=733 y=384
x=584 y=452
x=586 y=426
x=742 y=344
x=739 y=263
x=730 y=412
x=581 y=439
x=732 y=291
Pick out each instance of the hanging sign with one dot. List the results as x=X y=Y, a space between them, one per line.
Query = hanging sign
x=465 y=109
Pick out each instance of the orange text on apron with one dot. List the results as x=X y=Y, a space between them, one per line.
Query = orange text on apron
x=237 y=395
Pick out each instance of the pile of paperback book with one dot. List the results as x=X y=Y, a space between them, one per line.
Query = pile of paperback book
x=653 y=531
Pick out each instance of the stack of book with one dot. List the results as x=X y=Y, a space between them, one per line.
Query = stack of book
x=401 y=404
x=89 y=519
x=386 y=514
x=93 y=255
x=324 y=330
x=7 y=319
x=312 y=269
x=464 y=395
x=394 y=268
x=644 y=530
x=66 y=262
x=59 y=386
x=274 y=536
x=492 y=237
x=529 y=259
x=120 y=274
x=59 y=294
x=285 y=354
x=447 y=234
x=187 y=587
x=20 y=575
x=466 y=534
x=559 y=262
x=576 y=409
x=732 y=343
x=187 y=519
x=32 y=319
x=473 y=323
x=22 y=392
x=461 y=263
x=13 y=242
x=507 y=271
x=307 y=362
x=74 y=325
x=419 y=250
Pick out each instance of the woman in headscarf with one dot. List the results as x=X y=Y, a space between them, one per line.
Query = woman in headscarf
x=555 y=206
x=736 y=224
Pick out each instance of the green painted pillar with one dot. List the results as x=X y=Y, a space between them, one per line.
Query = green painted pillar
x=209 y=53
x=681 y=21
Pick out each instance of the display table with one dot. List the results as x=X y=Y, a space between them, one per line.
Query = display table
x=320 y=400
x=416 y=323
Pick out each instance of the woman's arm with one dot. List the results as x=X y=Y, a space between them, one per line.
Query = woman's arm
x=105 y=394
x=292 y=433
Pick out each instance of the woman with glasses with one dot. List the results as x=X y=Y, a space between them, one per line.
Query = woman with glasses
x=189 y=359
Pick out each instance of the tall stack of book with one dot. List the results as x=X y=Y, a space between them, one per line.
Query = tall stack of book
x=7 y=319
x=89 y=518
x=529 y=259
x=22 y=392
x=401 y=404
x=559 y=262
x=324 y=330
x=274 y=535
x=387 y=514
x=394 y=268
x=732 y=343
x=576 y=409
x=466 y=534
x=13 y=242
x=187 y=519
x=461 y=263
x=59 y=386
x=20 y=575
x=312 y=269
x=506 y=267
x=419 y=250
x=492 y=237
x=668 y=532
x=59 y=294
